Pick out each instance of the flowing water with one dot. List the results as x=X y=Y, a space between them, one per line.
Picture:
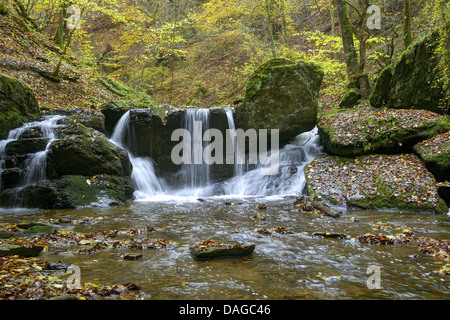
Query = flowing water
x=297 y=265
x=283 y=266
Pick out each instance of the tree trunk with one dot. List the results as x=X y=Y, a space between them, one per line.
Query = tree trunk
x=269 y=21
x=62 y=23
x=407 y=37
x=347 y=29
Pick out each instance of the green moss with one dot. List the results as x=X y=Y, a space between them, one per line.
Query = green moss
x=380 y=93
x=350 y=99
x=77 y=190
x=3 y=10
x=94 y=122
x=263 y=72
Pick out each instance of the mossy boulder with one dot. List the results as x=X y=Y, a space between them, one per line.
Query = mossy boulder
x=351 y=98
x=84 y=155
x=398 y=183
x=281 y=94
x=379 y=96
x=366 y=130
x=435 y=152
x=412 y=83
x=18 y=104
x=81 y=191
x=96 y=122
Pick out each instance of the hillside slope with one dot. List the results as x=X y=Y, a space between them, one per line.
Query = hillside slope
x=27 y=55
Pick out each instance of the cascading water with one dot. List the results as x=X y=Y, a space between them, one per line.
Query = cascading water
x=290 y=178
x=145 y=180
x=196 y=173
x=36 y=163
x=238 y=167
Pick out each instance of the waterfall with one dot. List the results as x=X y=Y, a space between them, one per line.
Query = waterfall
x=143 y=175
x=36 y=163
x=238 y=168
x=290 y=178
x=196 y=173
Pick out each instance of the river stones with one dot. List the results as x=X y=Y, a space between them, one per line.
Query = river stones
x=208 y=249
x=14 y=250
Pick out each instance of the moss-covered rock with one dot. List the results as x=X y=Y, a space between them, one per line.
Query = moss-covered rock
x=435 y=152
x=283 y=95
x=18 y=104
x=81 y=191
x=350 y=99
x=366 y=130
x=96 y=122
x=398 y=183
x=379 y=96
x=84 y=155
x=412 y=82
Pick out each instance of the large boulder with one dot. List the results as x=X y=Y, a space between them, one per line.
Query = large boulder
x=366 y=130
x=82 y=155
x=412 y=82
x=283 y=95
x=398 y=183
x=17 y=104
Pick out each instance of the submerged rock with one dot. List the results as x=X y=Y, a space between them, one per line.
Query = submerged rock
x=399 y=183
x=208 y=249
x=15 y=250
x=283 y=95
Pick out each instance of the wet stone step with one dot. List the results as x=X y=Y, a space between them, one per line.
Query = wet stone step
x=10 y=178
x=26 y=146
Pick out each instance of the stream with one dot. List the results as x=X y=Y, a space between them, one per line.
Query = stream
x=283 y=266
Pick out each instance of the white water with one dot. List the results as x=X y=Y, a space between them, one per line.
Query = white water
x=195 y=174
x=196 y=177
x=290 y=179
x=37 y=162
x=238 y=168
x=147 y=184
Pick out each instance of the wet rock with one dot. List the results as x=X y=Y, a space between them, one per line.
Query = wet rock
x=14 y=250
x=435 y=152
x=208 y=249
x=133 y=257
x=82 y=155
x=330 y=235
x=26 y=146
